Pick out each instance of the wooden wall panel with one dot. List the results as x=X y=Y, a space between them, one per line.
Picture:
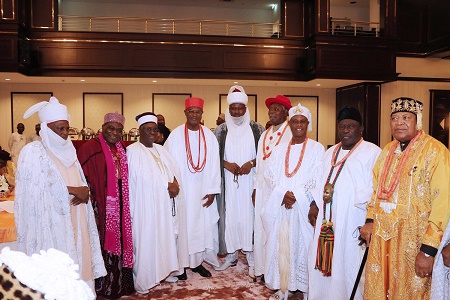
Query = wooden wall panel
x=8 y=10
x=43 y=14
x=57 y=56
x=170 y=58
x=293 y=16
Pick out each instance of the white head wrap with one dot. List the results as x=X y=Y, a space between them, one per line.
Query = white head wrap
x=302 y=111
x=237 y=94
x=146 y=119
x=49 y=111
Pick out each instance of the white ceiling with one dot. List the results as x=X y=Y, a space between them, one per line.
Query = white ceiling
x=17 y=78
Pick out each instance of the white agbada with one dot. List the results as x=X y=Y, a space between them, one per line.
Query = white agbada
x=268 y=139
x=300 y=231
x=202 y=222
x=159 y=238
x=352 y=192
x=239 y=148
x=42 y=210
x=16 y=142
x=440 y=283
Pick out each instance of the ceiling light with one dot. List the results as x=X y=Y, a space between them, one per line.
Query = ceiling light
x=154 y=81
x=7 y=79
x=82 y=80
x=318 y=84
x=236 y=82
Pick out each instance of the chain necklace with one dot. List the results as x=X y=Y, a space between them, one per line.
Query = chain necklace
x=299 y=163
x=266 y=148
x=201 y=135
x=383 y=192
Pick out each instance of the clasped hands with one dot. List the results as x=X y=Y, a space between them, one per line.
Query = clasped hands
x=237 y=170
x=80 y=194
x=288 y=200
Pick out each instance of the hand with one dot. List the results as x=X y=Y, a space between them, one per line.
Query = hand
x=312 y=214
x=288 y=200
x=245 y=168
x=366 y=232
x=253 y=197
x=231 y=167
x=446 y=255
x=173 y=189
x=210 y=200
x=81 y=194
x=424 y=265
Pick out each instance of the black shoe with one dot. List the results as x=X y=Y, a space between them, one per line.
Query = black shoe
x=182 y=276
x=202 y=271
x=262 y=278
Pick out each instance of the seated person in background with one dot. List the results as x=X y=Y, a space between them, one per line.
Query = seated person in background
x=7 y=167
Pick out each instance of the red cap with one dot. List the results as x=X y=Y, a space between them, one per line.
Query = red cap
x=280 y=99
x=193 y=102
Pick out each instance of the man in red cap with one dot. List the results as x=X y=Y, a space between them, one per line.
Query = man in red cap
x=196 y=151
x=277 y=133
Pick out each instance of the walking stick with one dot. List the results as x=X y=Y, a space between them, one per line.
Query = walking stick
x=358 y=278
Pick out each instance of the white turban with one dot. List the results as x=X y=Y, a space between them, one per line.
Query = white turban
x=236 y=94
x=302 y=111
x=146 y=119
x=49 y=112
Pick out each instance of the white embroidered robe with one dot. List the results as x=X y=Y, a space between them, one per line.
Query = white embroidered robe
x=155 y=229
x=352 y=192
x=202 y=222
x=300 y=231
x=42 y=210
x=440 y=282
x=272 y=137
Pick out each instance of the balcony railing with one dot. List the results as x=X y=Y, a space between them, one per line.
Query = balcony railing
x=355 y=28
x=169 y=26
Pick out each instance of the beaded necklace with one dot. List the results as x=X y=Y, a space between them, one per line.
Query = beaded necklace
x=299 y=163
x=266 y=147
x=383 y=192
x=195 y=168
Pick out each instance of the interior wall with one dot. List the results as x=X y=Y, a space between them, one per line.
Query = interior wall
x=352 y=13
x=164 y=11
x=138 y=99
x=419 y=90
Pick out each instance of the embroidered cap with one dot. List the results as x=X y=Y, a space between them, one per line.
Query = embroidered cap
x=404 y=104
x=114 y=117
x=302 y=111
x=146 y=118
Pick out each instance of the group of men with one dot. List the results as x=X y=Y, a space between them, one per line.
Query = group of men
x=133 y=217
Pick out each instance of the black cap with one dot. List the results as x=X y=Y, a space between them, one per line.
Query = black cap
x=349 y=112
x=4 y=155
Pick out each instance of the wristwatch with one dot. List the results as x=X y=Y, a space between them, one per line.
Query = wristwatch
x=251 y=162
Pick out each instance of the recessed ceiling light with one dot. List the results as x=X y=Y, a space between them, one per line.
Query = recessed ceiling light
x=236 y=82
x=7 y=79
x=318 y=84
x=82 y=80
x=155 y=81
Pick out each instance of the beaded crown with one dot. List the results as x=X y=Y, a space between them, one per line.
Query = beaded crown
x=406 y=104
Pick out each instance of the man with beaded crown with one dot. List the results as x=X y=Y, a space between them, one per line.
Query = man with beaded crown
x=104 y=162
x=341 y=195
x=278 y=132
x=291 y=174
x=52 y=208
x=196 y=151
x=238 y=138
x=409 y=210
x=157 y=209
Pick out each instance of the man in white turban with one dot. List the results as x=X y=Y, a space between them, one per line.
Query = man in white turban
x=238 y=139
x=52 y=207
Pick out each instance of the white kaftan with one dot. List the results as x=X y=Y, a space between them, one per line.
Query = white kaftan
x=262 y=190
x=352 y=191
x=440 y=283
x=202 y=222
x=300 y=231
x=155 y=229
x=16 y=142
x=44 y=215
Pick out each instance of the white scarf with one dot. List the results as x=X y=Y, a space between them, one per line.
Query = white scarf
x=62 y=149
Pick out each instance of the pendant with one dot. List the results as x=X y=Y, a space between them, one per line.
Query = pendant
x=328 y=190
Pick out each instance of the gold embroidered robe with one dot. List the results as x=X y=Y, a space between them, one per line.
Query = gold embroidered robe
x=417 y=213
